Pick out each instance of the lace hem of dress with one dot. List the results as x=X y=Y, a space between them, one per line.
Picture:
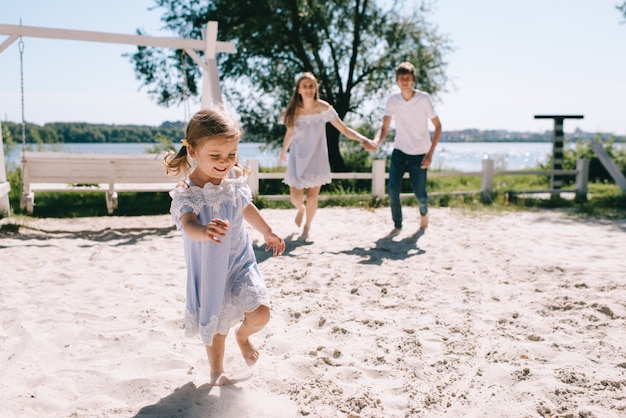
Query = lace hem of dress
x=248 y=300
x=206 y=332
x=210 y=195
x=192 y=323
x=310 y=182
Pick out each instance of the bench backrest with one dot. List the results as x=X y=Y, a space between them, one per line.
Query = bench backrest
x=91 y=168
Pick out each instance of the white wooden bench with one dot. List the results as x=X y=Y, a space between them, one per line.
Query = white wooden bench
x=90 y=172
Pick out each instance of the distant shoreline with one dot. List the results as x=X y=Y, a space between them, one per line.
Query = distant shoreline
x=79 y=132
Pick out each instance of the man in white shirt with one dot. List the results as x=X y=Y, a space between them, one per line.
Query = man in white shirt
x=413 y=148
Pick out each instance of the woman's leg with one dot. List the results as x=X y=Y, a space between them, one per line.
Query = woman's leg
x=253 y=322
x=312 y=195
x=297 y=199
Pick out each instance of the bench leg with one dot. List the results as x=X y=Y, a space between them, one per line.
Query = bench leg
x=27 y=201
x=111 y=202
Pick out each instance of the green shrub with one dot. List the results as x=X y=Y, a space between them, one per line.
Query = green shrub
x=597 y=171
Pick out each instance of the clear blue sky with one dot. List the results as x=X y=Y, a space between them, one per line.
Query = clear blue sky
x=513 y=59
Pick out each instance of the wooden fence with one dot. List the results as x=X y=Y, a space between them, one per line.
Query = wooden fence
x=113 y=173
x=378 y=176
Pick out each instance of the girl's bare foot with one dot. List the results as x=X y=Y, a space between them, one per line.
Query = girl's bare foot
x=299 y=216
x=220 y=379
x=248 y=351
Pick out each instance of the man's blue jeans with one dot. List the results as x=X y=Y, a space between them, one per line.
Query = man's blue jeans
x=400 y=164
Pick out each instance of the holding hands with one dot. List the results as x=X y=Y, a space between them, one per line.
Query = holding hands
x=370 y=145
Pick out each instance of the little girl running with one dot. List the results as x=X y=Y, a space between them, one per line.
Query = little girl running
x=224 y=284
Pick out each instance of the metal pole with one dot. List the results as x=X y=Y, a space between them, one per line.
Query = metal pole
x=556 y=179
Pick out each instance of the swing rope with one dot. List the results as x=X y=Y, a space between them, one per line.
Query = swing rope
x=20 y=44
x=186 y=108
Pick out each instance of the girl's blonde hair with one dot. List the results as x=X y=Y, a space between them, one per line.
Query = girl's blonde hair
x=289 y=115
x=205 y=125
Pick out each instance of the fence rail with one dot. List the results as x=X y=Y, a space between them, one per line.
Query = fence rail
x=378 y=176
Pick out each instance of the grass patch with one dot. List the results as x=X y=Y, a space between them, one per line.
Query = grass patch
x=605 y=201
x=84 y=204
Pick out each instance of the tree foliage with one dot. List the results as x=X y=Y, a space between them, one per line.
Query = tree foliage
x=86 y=133
x=352 y=46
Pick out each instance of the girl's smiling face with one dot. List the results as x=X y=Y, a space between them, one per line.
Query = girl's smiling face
x=215 y=158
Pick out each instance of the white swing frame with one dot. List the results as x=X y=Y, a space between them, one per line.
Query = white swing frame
x=211 y=97
x=211 y=91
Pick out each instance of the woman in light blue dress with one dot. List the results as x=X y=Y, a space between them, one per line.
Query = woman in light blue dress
x=224 y=284
x=308 y=167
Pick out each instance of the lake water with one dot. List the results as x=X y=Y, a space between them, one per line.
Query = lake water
x=461 y=156
x=267 y=158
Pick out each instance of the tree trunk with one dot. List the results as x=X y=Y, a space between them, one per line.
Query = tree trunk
x=337 y=165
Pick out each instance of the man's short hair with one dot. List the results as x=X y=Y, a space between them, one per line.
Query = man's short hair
x=405 y=68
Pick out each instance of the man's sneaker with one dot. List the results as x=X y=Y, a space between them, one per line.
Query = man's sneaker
x=394 y=232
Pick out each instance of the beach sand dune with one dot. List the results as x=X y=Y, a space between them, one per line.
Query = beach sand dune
x=483 y=315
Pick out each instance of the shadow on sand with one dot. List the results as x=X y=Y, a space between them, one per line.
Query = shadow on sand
x=124 y=236
x=292 y=242
x=388 y=248
x=189 y=401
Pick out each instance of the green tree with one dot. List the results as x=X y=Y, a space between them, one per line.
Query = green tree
x=8 y=143
x=352 y=47
x=622 y=8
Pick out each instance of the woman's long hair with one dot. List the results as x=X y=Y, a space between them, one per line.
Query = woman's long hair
x=289 y=115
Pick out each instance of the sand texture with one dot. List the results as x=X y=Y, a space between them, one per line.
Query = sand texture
x=484 y=315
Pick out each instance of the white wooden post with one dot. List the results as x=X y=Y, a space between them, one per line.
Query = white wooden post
x=212 y=93
x=27 y=198
x=5 y=187
x=582 y=178
x=253 y=177
x=486 y=185
x=378 y=179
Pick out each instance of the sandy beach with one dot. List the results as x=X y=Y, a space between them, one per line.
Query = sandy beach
x=484 y=315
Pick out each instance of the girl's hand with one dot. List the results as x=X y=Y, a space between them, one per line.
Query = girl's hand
x=216 y=228
x=274 y=242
